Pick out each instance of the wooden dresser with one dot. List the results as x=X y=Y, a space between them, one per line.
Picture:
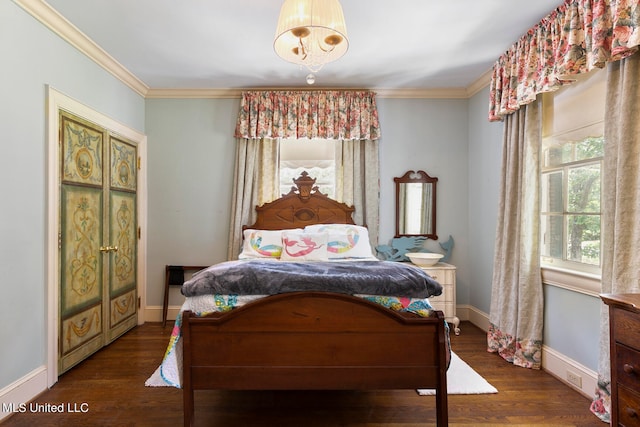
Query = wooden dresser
x=445 y=274
x=624 y=318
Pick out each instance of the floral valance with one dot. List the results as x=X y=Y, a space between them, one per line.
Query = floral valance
x=577 y=37
x=347 y=115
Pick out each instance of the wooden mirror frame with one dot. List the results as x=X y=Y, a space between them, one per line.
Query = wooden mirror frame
x=420 y=177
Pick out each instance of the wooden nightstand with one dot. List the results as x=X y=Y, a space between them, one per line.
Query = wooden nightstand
x=624 y=326
x=445 y=274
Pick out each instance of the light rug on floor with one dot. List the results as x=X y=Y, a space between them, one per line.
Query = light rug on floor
x=462 y=379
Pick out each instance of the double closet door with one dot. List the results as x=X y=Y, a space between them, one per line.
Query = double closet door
x=98 y=238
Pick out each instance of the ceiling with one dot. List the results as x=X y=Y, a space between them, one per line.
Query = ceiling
x=228 y=44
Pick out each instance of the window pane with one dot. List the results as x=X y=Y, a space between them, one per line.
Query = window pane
x=590 y=148
x=584 y=189
x=551 y=227
x=557 y=155
x=552 y=192
x=583 y=238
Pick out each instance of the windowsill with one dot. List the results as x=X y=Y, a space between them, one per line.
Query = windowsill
x=585 y=283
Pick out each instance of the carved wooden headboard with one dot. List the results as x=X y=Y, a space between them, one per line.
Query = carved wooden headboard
x=303 y=205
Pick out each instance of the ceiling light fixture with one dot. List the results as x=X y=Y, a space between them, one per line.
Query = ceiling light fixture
x=311 y=79
x=311 y=33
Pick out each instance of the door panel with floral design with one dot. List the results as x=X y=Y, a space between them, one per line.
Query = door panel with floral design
x=123 y=235
x=98 y=239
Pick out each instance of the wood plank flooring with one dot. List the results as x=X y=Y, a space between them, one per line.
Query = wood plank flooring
x=109 y=388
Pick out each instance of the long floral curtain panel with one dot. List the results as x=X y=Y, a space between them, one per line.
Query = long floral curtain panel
x=344 y=115
x=577 y=37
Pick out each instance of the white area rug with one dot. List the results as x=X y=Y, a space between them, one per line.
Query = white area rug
x=462 y=379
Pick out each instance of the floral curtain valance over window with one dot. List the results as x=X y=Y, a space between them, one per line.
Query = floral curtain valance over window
x=577 y=37
x=343 y=115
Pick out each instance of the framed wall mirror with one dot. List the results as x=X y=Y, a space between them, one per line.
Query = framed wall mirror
x=416 y=205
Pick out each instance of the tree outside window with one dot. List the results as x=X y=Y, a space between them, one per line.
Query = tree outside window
x=571 y=210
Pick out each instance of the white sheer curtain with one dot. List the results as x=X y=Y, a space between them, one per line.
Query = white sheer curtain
x=358 y=182
x=256 y=182
x=620 y=205
x=516 y=316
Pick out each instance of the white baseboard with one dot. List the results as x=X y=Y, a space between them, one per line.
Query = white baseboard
x=153 y=313
x=22 y=391
x=562 y=367
x=553 y=362
x=473 y=315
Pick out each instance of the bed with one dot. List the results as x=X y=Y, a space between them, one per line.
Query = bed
x=318 y=333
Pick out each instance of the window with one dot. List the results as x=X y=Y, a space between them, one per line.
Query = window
x=572 y=153
x=316 y=156
x=570 y=224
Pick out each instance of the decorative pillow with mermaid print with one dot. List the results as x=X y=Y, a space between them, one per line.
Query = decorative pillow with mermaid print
x=300 y=246
x=346 y=241
x=262 y=243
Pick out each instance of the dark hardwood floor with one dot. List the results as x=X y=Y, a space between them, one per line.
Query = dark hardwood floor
x=108 y=390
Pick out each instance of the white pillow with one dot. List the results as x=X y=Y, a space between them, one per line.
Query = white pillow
x=300 y=246
x=262 y=244
x=345 y=240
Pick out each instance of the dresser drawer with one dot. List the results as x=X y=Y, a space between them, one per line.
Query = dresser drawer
x=624 y=318
x=627 y=365
x=445 y=307
x=445 y=274
x=441 y=275
x=625 y=328
x=628 y=407
x=447 y=295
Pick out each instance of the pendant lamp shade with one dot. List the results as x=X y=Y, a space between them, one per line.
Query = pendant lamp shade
x=311 y=33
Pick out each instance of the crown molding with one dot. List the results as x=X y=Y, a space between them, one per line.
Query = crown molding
x=406 y=93
x=480 y=83
x=57 y=23
x=233 y=92
x=194 y=93
x=446 y=93
x=420 y=93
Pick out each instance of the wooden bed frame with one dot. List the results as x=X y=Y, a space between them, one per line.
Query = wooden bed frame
x=313 y=340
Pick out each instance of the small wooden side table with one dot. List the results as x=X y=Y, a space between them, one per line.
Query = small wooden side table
x=174 y=276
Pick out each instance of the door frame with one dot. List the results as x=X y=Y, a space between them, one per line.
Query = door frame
x=56 y=101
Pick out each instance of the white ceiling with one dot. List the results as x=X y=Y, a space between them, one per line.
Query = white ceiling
x=228 y=44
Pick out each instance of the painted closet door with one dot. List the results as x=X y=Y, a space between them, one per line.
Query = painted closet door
x=97 y=239
x=123 y=237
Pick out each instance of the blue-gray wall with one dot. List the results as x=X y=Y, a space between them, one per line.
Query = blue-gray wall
x=429 y=135
x=190 y=168
x=484 y=142
x=32 y=57
x=572 y=324
x=191 y=165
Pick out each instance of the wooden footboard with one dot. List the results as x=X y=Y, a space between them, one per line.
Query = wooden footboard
x=314 y=341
